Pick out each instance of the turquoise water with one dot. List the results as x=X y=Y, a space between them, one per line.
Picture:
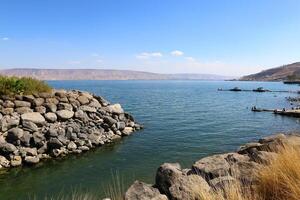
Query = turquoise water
x=184 y=121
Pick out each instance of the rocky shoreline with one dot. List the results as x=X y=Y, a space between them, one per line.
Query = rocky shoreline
x=49 y=125
x=211 y=173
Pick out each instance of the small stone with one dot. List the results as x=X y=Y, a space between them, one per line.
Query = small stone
x=7 y=111
x=38 y=102
x=51 y=107
x=16 y=161
x=26 y=151
x=83 y=148
x=115 y=108
x=72 y=146
x=54 y=143
x=8 y=104
x=64 y=106
x=31 y=160
x=25 y=139
x=51 y=117
x=8 y=122
x=52 y=101
x=127 y=130
x=87 y=109
x=109 y=120
x=40 y=109
x=4 y=162
x=38 y=139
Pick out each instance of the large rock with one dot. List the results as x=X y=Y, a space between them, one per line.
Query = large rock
x=14 y=134
x=143 y=191
x=34 y=117
x=7 y=148
x=8 y=104
x=176 y=184
x=30 y=126
x=212 y=166
x=38 y=139
x=22 y=104
x=8 y=122
x=65 y=114
x=50 y=107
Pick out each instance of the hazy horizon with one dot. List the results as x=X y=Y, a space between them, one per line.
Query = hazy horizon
x=201 y=37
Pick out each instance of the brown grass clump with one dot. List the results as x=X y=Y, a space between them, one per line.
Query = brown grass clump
x=281 y=178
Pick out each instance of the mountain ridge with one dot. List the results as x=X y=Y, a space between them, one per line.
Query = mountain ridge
x=281 y=73
x=104 y=74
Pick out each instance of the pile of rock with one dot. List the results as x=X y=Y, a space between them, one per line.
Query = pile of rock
x=45 y=125
x=210 y=173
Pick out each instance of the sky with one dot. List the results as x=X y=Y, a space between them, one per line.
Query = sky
x=235 y=37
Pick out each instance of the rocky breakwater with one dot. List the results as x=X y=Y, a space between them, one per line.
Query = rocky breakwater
x=49 y=125
x=211 y=173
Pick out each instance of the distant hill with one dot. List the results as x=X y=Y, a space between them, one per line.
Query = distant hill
x=104 y=74
x=286 y=72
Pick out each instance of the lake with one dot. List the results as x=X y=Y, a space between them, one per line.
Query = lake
x=184 y=121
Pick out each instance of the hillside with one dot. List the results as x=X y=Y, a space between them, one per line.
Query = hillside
x=286 y=72
x=104 y=74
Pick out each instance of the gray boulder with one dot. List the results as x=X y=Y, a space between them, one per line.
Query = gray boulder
x=143 y=191
x=87 y=109
x=83 y=100
x=7 y=148
x=51 y=117
x=30 y=126
x=212 y=166
x=22 y=104
x=38 y=102
x=40 y=109
x=34 y=117
x=22 y=110
x=64 y=106
x=51 y=107
x=65 y=114
x=14 y=134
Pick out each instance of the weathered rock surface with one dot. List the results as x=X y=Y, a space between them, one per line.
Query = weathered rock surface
x=212 y=172
x=49 y=125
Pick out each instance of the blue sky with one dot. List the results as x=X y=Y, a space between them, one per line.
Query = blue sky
x=233 y=37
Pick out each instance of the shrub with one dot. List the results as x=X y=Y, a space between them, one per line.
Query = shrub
x=23 y=85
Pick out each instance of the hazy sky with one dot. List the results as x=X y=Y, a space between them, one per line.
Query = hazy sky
x=228 y=37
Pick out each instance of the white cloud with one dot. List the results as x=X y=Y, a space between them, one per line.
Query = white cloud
x=177 y=53
x=99 y=61
x=147 y=55
x=5 y=38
